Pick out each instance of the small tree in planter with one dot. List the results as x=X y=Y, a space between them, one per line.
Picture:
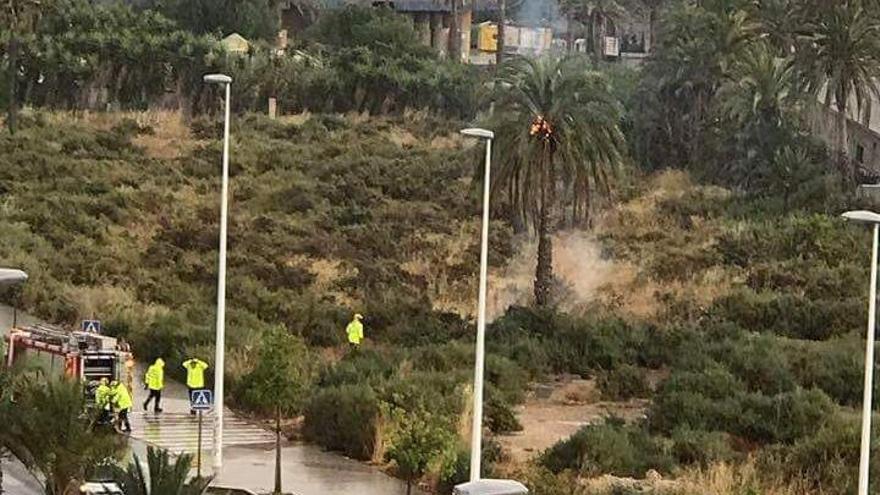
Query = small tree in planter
x=422 y=441
x=278 y=382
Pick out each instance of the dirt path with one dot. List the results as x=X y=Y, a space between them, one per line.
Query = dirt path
x=558 y=409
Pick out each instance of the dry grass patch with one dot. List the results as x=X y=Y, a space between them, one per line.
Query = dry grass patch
x=171 y=137
x=661 y=257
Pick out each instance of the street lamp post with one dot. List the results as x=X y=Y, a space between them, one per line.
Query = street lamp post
x=477 y=428
x=226 y=82
x=867 y=399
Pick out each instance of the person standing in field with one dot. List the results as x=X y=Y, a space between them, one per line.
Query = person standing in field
x=195 y=376
x=355 y=331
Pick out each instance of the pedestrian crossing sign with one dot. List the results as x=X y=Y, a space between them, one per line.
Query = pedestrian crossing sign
x=201 y=399
x=91 y=326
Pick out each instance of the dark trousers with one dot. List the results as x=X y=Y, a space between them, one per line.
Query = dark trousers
x=123 y=420
x=154 y=394
x=104 y=417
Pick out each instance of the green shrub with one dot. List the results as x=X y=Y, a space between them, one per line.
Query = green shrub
x=458 y=469
x=166 y=337
x=835 y=366
x=785 y=417
x=701 y=447
x=825 y=460
x=500 y=416
x=706 y=400
x=790 y=315
x=344 y=419
x=443 y=393
x=813 y=279
x=715 y=400
x=758 y=360
x=508 y=379
x=610 y=448
x=443 y=358
x=623 y=383
x=807 y=237
x=363 y=367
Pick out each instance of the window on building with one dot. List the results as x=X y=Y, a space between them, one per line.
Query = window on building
x=860 y=153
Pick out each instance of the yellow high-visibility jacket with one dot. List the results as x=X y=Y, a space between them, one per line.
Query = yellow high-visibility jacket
x=102 y=395
x=195 y=372
x=121 y=397
x=355 y=331
x=155 y=377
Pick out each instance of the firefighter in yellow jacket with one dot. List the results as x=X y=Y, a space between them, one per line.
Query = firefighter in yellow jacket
x=154 y=381
x=122 y=404
x=195 y=375
x=355 y=331
x=103 y=395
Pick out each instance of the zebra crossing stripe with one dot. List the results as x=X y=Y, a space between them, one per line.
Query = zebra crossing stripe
x=178 y=432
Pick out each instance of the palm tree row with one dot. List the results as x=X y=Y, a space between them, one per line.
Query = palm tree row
x=722 y=61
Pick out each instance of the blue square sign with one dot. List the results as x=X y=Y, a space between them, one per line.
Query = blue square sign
x=201 y=399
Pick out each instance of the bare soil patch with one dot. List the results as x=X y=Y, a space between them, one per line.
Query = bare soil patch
x=556 y=410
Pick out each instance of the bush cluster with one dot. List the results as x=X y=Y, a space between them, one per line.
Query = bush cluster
x=609 y=448
x=344 y=418
x=624 y=383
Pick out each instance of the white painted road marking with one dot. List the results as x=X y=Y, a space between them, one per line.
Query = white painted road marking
x=178 y=432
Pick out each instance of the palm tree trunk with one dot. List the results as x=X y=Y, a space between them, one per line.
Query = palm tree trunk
x=1 y=472
x=544 y=268
x=598 y=36
x=502 y=24
x=12 y=54
x=408 y=486
x=841 y=129
x=516 y=207
x=278 y=450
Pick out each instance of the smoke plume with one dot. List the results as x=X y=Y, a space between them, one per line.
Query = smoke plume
x=577 y=263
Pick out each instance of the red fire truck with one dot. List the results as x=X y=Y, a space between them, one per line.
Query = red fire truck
x=85 y=356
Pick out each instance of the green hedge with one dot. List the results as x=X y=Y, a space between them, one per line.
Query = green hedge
x=344 y=419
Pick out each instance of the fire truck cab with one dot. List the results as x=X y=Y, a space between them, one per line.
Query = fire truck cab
x=84 y=356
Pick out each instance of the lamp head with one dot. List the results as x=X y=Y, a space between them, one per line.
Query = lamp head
x=10 y=276
x=478 y=133
x=863 y=216
x=217 y=79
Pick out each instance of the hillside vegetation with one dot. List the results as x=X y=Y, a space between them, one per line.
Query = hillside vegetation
x=754 y=314
x=117 y=217
x=690 y=252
